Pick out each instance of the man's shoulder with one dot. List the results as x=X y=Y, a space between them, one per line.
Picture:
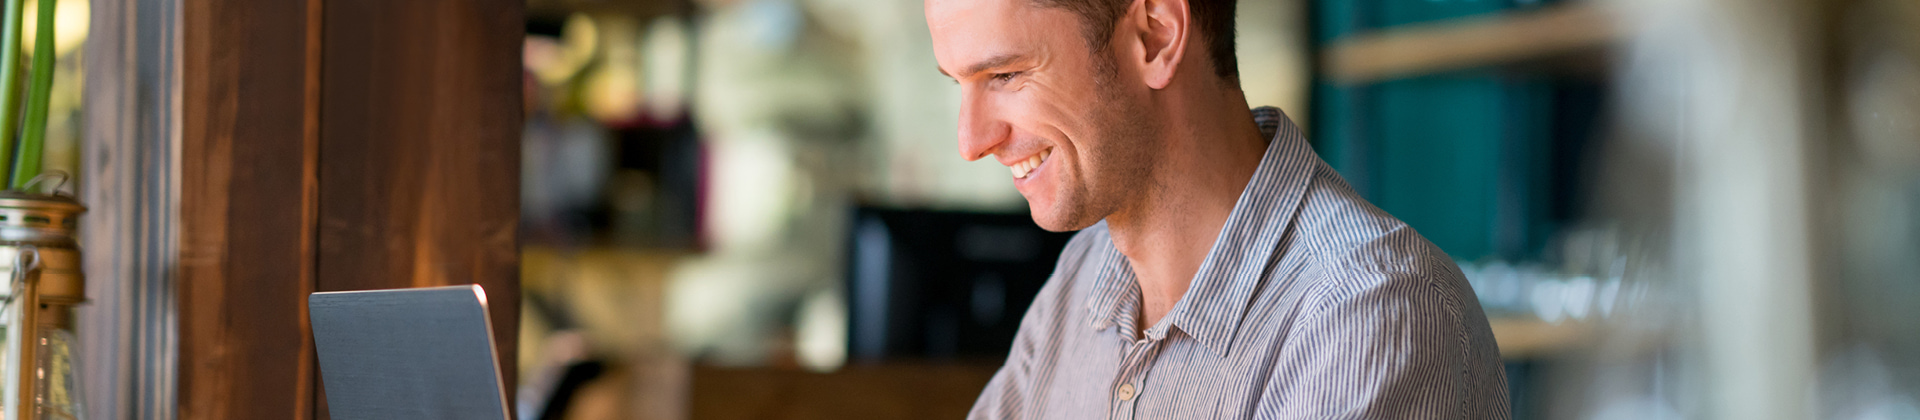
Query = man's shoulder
x=1339 y=226
x=1360 y=260
x=1351 y=241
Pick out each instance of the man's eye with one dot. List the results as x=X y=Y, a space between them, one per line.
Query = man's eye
x=1004 y=77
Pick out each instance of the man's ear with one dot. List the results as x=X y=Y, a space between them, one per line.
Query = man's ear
x=1156 y=30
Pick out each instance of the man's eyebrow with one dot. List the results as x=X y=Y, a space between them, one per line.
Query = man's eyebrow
x=996 y=61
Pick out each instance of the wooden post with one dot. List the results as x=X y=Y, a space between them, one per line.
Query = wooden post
x=420 y=150
x=377 y=150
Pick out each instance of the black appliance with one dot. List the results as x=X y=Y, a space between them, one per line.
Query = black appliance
x=942 y=285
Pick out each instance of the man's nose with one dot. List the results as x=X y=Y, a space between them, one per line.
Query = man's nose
x=981 y=131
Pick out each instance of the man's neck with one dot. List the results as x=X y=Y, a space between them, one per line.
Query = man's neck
x=1168 y=229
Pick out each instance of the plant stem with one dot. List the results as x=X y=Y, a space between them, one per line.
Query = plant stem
x=9 y=82
x=33 y=138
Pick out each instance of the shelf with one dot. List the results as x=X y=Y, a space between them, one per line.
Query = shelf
x=857 y=391
x=1470 y=42
x=1521 y=338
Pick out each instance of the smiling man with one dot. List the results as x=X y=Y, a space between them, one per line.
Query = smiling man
x=1222 y=269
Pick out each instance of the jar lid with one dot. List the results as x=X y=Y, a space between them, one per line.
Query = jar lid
x=56 y=203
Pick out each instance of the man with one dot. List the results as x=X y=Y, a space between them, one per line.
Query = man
x=1222 y=269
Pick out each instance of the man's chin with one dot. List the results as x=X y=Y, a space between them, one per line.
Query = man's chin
x=1054 y=220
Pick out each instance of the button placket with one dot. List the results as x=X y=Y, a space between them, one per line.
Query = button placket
x=1137 y=364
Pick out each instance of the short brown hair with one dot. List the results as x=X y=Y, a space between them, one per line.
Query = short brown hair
x=1212 y=20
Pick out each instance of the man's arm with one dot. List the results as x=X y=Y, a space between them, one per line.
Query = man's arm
x=1015 y=388
x=1012 y=389
x=1006 y=395
x=1002 y=397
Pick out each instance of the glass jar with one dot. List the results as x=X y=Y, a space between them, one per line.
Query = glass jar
x=41 y=265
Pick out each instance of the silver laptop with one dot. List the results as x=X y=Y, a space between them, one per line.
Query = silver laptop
x=407 y=354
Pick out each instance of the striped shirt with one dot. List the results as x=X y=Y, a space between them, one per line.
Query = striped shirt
x=1312 y=304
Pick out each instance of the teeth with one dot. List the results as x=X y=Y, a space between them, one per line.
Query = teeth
x=1021 y=169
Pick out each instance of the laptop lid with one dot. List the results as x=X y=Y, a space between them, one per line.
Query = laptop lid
x=407 y=354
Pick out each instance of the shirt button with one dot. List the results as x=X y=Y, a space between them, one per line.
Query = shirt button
x=1126 y=392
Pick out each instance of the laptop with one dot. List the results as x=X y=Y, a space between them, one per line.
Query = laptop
x=422 y=353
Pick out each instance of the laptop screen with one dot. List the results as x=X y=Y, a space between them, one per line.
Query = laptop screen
x=407 y=354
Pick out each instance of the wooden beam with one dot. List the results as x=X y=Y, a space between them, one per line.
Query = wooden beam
x=420 y=127
x=1470 y=42
x=377 y=150
x=129 y=325
x=246 y=264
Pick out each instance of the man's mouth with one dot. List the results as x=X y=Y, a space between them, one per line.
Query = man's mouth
x=1025 y=167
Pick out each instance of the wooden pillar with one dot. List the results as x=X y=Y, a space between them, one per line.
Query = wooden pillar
x=337 y=145
x=128 y=328
x=425 y=95
x=246 y=206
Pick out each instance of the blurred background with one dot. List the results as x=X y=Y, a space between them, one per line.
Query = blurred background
x=754 y=209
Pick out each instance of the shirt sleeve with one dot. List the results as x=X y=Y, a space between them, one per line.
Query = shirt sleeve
x=1021 y=382
x=1392 y=348
x=1000 y=400
x=1005 y=396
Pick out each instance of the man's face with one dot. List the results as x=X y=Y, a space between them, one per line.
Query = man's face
x=1063 y=118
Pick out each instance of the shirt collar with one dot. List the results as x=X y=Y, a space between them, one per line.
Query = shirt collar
x=1114 y=290
x=1211 y=310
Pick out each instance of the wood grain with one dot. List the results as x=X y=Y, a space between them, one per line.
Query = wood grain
x=891 y=391
x=245 y=265
x=336 y=145
x=129 y=325
x=424 y=96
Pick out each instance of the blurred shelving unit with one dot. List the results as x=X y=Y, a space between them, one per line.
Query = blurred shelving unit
x=1526 y=337
x=1476 y=41
x=1462 y=118
x=1474 y=122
